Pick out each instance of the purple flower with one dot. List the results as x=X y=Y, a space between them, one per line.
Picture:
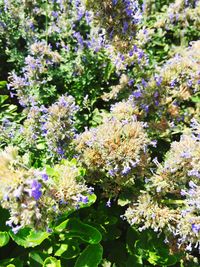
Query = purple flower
x=156 y=94
x=192 y=184
x=79 y=38
x=130 y=82
x=126 y=170
x=194 y=173
x=173 y=83
x=189 y=83
x=45 y=177
x=49 y=230
x=140 y=54
x=158 y=80
x=145 y=107
x=88 y=17
x=125 y=27
x=131 y=53
x=108 y=203
x=137 y=94
x=144 y=83
x=60 y=151
x=154 y=143
x=54 y=14
x=16 y=229
x=35 y=190
x=111 y=172
x=195 y=228
x=85 y=200
x=186 y=155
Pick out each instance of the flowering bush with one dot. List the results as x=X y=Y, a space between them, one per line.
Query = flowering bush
x=99 y=133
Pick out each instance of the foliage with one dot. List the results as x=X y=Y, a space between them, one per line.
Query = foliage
x=99 y=133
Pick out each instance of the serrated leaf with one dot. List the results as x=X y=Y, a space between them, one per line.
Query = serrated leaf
x=90 y=257
x=4 y=238
x=75 y=228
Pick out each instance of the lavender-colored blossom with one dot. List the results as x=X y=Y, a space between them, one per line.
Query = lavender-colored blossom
x=158 y=80
x=44 y=176
x=131 y=82
x=108 y=203
x=137 y=94
x=196 y=228
x=36 y=189
x=126 y=170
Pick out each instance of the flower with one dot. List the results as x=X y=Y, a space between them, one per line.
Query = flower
x=36 y=189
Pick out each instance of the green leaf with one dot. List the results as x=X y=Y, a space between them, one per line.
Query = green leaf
x=90 y=257
x=161 y=258
x=3 y=98
x=3 y=84
x=40 y=146
x=4 y=238
x=51 y=262
x=195 y=99
x=50 y=171
x=67 y=250
x=75 y=228
x=36 y=258
x=27 y=237
x=13 y=262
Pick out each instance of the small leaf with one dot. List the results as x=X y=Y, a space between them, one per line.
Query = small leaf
x=51 y=262
x=3 y=84
x=4 y=238
x=90 y=257
x=75 y=228
x=40 y=146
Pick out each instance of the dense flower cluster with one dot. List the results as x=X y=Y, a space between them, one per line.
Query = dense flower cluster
x=173 y=83
x=117 y=147
x=54 y=124
x=112 y=84
x=34 y=198
x=171 y=203
x=118 y=17
x=180 y=12
x=31 y=85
